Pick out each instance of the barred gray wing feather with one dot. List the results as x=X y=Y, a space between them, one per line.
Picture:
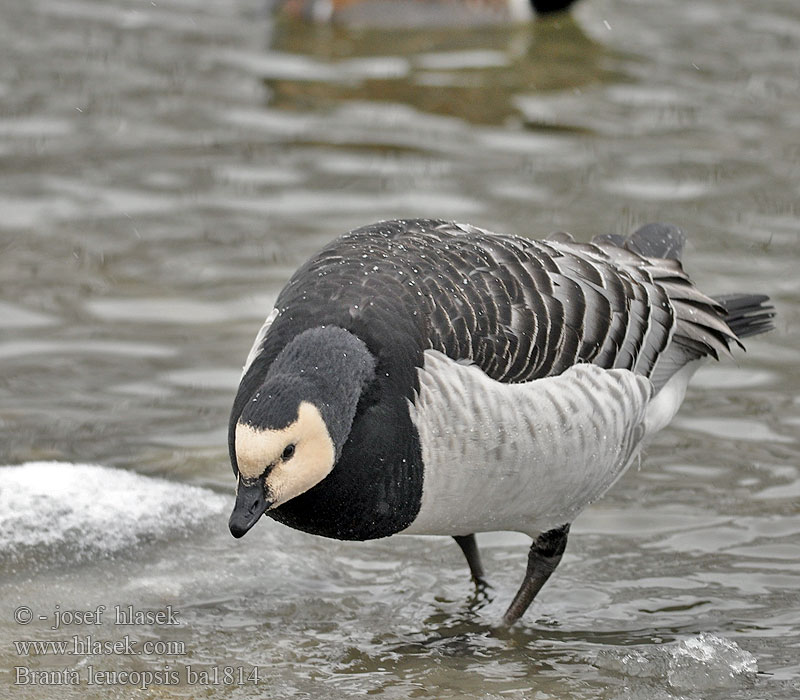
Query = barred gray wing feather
x=522 y=309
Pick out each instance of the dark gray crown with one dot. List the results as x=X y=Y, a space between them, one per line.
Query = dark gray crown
x=326 y=366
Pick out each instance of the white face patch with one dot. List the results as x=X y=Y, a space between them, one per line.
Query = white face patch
x=312 y=461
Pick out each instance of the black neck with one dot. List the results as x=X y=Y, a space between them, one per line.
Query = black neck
x=375 y=487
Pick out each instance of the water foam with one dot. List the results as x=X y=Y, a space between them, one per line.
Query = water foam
x=76 y=511
x=704 y=662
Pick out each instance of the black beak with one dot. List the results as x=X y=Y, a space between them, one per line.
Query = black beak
x=250 y=506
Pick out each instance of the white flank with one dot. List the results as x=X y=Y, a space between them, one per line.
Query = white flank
x=668 y=400
x=255 y=351
x=526 y=457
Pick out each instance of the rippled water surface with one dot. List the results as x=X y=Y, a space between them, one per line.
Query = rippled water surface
x=166 y=165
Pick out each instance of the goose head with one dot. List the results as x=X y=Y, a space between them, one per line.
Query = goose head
x=292 y=430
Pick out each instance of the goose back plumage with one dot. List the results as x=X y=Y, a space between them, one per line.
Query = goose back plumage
x=519 y=309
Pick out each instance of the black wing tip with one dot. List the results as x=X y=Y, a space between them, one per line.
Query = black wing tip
x=656 y=240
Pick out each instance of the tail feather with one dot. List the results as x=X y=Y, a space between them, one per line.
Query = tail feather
x=747 y=314
x=743 y=314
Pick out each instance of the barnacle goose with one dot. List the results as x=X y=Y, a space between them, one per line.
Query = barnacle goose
x=430 y=377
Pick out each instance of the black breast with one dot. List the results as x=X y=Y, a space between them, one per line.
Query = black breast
x=376 y=486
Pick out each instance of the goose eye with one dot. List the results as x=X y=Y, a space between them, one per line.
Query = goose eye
x=287 y=452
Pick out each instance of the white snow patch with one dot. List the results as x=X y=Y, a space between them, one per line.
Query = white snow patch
x=77 y=510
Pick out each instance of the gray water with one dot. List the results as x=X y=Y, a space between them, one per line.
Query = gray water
x=166 y=165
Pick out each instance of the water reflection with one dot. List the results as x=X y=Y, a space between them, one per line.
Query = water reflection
x=165 y=167
x=473 y=75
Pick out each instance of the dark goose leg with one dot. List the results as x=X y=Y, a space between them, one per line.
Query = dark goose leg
x=543 y=558
x=470 y=548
